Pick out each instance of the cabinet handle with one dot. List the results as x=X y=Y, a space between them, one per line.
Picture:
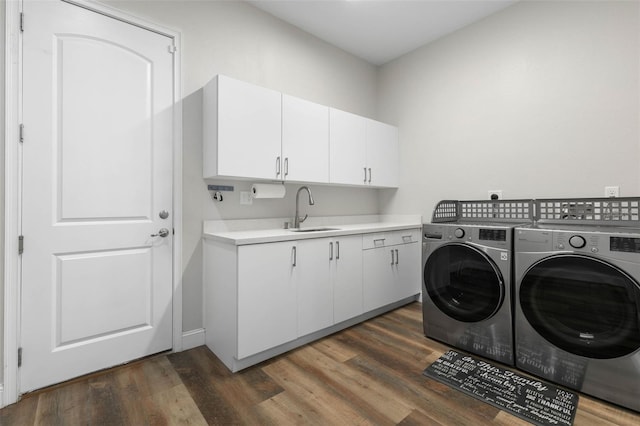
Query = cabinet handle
x=365 y=174
x=286 y=166
x=369 y=174
x=295 y=255
x=330 y=251
x=337 y=250
x=278 y=166
x=392 y=258
x=397 y=256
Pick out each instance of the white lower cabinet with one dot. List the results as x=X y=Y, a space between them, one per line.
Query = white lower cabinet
x=391 y=265
x=329 y=282
x=313 y=285
x=263 y=299
x=346 y=275
x=267 y=302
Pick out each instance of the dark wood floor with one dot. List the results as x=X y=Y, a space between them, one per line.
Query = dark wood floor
x=370 y=374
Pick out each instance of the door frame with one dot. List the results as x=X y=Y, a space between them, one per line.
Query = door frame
x=9 y=390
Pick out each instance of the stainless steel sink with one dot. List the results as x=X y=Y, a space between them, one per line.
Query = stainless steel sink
x=321 y=228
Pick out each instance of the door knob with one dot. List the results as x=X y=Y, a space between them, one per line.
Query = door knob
x=161 y=233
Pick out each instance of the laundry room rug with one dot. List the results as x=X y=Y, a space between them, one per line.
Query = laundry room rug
x=537 y=402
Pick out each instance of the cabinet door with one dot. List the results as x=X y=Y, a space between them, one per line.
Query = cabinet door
x=305 y=140
x=347 y=142
x=408 y=270
x=249 y=130
x=315 y=293
x=379 y=276
x=347 y=278
x=382 y=154
x=267 y=306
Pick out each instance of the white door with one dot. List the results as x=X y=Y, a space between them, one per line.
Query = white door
x=97 y=173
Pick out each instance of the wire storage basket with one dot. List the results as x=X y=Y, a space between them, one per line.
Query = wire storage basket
x=622 y=211
x=510 y=211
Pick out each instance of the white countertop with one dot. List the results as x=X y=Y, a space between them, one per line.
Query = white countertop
x=235 y=232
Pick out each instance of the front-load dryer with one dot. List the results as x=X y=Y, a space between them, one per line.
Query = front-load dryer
x=467 y=287
x=577 y=308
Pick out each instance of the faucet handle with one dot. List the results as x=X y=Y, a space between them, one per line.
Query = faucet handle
x=302 y=219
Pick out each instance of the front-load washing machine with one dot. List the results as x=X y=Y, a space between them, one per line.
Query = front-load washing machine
x=577 y=308
x=466 y=299
x=467 y=277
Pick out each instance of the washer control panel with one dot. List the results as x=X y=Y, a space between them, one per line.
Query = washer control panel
x=490 y=236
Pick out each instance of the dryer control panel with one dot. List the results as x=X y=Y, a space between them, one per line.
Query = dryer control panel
x=624 y=244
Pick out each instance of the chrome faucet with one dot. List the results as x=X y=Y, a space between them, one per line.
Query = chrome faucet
x=297 y=220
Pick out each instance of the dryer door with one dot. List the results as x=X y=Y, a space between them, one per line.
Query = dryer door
x=463 y=282
x=582 y=305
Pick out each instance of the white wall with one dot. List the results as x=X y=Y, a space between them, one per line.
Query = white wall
x=2 y=42
x=539 y=100
x=238 y=40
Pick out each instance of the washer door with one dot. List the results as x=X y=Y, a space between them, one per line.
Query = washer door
x=582 y=305
x=463 y=282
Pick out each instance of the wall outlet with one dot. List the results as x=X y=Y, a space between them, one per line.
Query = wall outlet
x=246 y=198
x=611 y=191
x=495 y=194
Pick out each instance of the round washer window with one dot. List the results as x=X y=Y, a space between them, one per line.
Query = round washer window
x=582 y=305
x=463 y=282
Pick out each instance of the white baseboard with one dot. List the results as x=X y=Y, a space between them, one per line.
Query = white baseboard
x=192 y=339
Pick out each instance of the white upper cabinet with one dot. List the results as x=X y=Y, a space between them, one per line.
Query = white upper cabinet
x=242 y=130
x=347 y=147
x=382 y=154
x=250 y=132
x=305 y=140
x=363 y=151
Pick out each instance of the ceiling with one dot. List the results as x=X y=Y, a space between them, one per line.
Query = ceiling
x=379 y=31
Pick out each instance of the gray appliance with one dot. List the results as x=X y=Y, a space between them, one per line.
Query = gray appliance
x=467 y=275
x=577 y=297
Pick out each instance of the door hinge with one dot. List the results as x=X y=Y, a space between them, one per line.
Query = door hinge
x=20 y=244
x=19 y=357
x=21 y=22
x=172 y=49
x=21 y=133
